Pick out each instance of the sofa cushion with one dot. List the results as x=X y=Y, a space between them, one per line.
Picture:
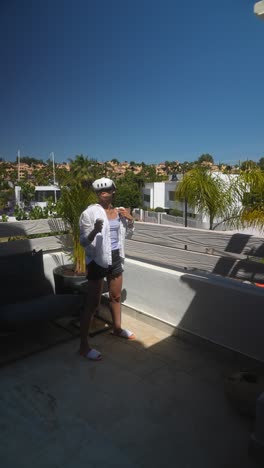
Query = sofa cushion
x=41 y=308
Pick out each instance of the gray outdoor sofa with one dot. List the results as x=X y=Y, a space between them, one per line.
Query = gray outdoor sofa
x=27 y=295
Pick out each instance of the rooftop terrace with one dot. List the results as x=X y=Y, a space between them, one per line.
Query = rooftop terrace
x=155 y=402
x=158 y=401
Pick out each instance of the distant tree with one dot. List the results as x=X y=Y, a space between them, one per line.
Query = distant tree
x=62 y=176
x=5 y=196
x=132 y=163
x=248 y=165
x=30 y=160
x=12 y=175
x=107 y=170
x=227 y=169
x=261 y=163
x=167 y=165
x=3 y=168
x=139 y=180
x=185 y=166
x=148 y=173
x=43 y=176
x=83 y=168
x=205 y=158
x=129 y=190
x=128 y=195
x=115 y=161
x=27 y=191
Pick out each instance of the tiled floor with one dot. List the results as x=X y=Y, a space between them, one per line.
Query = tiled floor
x=155 y=402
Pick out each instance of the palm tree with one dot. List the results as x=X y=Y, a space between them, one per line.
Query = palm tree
x=205 y=158
x=72 y=203
x=85 y=169
x=27 y=191
x=248 y=165
x=206 y=193
x=250 y=189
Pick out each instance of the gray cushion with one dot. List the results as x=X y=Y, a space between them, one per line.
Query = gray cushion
x=41 y=308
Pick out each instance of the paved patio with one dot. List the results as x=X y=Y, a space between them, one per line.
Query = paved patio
x=156 y=402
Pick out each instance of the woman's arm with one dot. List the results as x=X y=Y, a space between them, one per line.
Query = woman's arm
x=129 y=221
x=88 y=230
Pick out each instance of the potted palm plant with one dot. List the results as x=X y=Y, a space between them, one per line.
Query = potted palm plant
x=73 y=201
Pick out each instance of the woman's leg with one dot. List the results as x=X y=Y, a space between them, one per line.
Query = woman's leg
x=91 y=303
x=115 y=288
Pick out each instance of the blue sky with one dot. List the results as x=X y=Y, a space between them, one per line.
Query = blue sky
x=142 y=80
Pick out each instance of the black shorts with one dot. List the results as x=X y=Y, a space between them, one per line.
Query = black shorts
x=96 y=272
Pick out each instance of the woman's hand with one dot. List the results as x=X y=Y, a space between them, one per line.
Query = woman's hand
x=123 y=212
x=98 y=225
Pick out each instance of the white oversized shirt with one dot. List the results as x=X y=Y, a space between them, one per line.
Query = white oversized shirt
x=99 y=249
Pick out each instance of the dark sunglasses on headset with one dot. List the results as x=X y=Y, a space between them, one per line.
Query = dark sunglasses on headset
x=108 y=190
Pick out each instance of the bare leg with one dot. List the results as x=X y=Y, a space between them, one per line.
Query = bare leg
x=92 y=301
x=115 y=288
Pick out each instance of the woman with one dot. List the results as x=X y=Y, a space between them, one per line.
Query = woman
x=102 y=233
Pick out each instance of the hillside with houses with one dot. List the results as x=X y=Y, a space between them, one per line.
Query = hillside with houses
x=29 y=184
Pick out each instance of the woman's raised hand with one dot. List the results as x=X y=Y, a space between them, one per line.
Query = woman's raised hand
x=123 y=212
x=98 y=225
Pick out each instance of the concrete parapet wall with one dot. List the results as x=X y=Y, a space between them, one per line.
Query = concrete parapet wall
x=224 y=311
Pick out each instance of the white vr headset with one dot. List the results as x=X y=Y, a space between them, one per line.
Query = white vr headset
x=103 y=183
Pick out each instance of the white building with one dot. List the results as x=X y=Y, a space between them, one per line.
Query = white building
x=42 y=194
x=160 y=194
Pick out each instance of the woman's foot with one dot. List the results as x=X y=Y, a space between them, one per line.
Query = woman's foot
x=124 y=333
x=91 y=354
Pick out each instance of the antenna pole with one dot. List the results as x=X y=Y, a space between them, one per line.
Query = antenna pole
x=54 y=178
x=18 y=165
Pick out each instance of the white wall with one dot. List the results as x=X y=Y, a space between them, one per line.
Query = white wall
x=224 y=311
x=169 y=187
x=146 y=191
x=158 y=194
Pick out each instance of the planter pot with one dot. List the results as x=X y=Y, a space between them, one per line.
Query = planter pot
x=243 y=390
x=67 y=281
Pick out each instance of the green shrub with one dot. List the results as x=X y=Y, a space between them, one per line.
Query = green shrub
x=175 y=212
x=20 y=214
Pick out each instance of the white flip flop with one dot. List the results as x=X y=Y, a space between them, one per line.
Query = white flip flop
x=93 y=355
x=127 y=334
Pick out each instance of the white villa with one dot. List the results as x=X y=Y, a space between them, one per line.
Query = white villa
x=162 y=195
x=42 y=194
